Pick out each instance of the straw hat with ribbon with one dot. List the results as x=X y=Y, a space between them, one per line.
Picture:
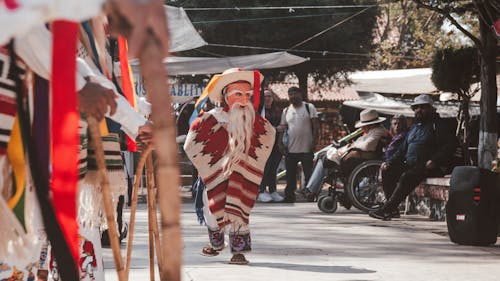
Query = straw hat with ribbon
x=213 y=91
x=368 y=117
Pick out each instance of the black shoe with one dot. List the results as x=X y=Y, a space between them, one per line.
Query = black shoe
x=395 y=214
x=288 y=200
x=380 y=214
x=308 y=195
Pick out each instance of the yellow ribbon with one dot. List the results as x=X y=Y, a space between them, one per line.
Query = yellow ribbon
x=15 y=154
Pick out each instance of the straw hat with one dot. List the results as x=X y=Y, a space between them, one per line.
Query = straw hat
x=368 y=117
x=229 y=76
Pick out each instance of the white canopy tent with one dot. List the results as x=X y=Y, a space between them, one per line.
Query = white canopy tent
x=183 y=35
x=210 y=65
x=400 y=81
x=391 y=106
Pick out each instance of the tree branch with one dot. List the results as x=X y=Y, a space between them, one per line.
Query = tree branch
x=447 y=15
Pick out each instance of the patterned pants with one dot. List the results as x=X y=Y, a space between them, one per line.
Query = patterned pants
x=239 y=237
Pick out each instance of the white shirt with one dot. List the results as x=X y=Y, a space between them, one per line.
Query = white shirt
x=300 y=138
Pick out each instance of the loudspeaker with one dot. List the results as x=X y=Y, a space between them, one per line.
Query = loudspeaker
x=472 y=212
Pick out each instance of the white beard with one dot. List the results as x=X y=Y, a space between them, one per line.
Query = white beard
x=240 y=130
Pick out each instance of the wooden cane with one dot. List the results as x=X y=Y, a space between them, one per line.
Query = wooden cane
x=153 y=219
x=155 y=76
x=169 y=200
x=133 y=206
x=151 y=210
x=106 y=195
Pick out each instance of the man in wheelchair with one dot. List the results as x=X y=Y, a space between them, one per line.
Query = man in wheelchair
x=368 y=146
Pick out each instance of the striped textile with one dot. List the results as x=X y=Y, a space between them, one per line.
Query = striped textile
x=231 y=198
x=90 y=205
x=21 y=222
x=7 y=98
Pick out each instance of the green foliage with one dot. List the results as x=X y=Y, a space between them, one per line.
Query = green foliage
x=407 y=37
x=454 y=70
x=344 y=48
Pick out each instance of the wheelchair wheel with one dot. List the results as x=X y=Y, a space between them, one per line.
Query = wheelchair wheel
x=327 y=204
x=364 y=188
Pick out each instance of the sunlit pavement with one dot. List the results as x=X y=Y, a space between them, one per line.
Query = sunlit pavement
x=299 y=242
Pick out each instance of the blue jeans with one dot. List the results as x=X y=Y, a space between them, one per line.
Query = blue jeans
x=269 y=176
x=315 y=182
x=292 y=160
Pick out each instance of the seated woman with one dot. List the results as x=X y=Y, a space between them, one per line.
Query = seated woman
x=399 y=128
x=348 y=156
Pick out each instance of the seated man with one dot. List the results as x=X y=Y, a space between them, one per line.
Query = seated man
x=428 y=148
x=349 y=155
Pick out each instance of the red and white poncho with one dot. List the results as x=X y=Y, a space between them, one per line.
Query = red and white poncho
x=231 y=197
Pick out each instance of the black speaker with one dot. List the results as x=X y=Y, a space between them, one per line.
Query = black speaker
x=472 y=212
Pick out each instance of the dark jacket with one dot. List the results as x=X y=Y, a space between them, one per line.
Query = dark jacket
x=273 y=115
x=430 y=140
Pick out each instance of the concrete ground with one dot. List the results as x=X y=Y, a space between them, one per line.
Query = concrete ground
x=299 y=242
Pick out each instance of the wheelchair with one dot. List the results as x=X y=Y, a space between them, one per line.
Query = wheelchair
x=353 y=182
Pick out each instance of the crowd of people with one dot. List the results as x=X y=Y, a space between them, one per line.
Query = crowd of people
x=236 y=148
x=410 y=154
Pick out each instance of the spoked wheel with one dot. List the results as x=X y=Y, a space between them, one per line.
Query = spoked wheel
x=328 y=204
x=364 y=188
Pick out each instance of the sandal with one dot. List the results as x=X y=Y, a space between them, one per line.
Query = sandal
x=209 y=251
x=238 y=259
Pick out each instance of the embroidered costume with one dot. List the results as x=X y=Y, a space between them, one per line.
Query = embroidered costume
x=231 y=186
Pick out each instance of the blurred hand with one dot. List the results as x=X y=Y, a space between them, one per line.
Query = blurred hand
x=143 y=17
x=384 y=166
x=282 y=127
x=430 y=165
x=95 y=100
x=145 y=133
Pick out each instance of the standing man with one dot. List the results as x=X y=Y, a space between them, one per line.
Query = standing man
x=427 y=150
x=301 y=125
x=229 y=145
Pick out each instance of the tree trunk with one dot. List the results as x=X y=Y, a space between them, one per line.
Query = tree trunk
x=302 y=76
x=487 y=149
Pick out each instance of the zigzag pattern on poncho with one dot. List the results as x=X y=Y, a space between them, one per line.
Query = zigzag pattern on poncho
x=231 y=198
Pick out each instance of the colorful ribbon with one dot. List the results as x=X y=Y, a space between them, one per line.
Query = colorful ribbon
x=256 y=89
x=127 y=82
x=64 y=131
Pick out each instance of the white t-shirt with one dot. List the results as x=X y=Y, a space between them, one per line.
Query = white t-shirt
x=300 y=138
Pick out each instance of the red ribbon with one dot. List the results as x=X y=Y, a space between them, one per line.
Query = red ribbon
x=256 y=89
x=11 y=4
x=64 y=131
x=127 y=86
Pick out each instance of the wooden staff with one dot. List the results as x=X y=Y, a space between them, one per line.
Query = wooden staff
x=151 y=210
x=135 y=194
x=154 y=220
x=155 y=76
x=106 y=195
x=169 y=200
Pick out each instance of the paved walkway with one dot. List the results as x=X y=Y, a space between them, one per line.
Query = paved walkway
x=299 y=242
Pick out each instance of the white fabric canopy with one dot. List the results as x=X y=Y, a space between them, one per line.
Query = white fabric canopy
x=183 y=35
x=400 y=81
x=210 y=65
x=390 y=106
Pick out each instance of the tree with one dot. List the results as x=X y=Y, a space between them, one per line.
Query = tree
x=407 y=37
x=455 y=70
x=486 y=12
x=344 y=48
